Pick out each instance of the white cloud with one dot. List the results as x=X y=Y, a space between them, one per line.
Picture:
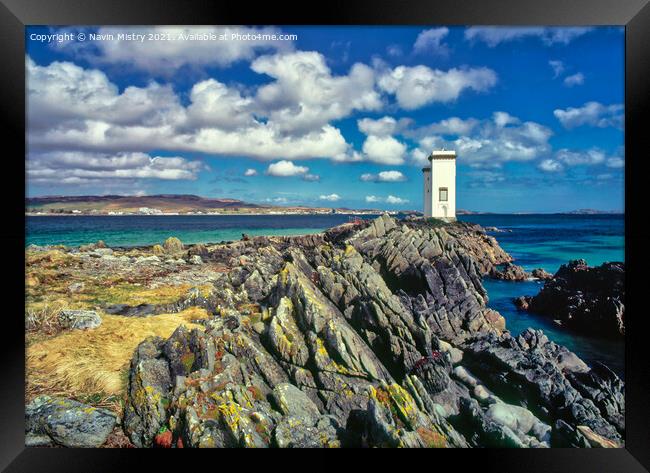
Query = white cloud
x=250 y=172
x=557 y=66
x=382 y=127
x=504 y=119
x=213 y=104
x=417 y=86
x=592 y=114
x=575 y=79
x=431 y=41
x=61 y=167
x=167 y=56
x=311 y=177
x=277 y=200
x=588 y=157
x=286 y=169
x=615 y=162
x=306 y=95
x=549 y=165
x=582 y=157
x=391 y=199
x=384 y=176
x=71 y=108
x=485 y=143
x=384 y=150
x=330 y=197
x=495 y=35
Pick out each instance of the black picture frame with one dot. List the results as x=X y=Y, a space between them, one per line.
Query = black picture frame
x=633 y=14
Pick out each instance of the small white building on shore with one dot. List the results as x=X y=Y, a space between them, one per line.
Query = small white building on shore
x=440 y=185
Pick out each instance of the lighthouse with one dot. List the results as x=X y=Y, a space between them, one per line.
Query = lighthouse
x=439 y=180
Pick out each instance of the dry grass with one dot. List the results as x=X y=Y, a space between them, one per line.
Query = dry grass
x=92 y=365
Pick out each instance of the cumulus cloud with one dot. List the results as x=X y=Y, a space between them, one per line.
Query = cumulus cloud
x=381 y=127
x=71 y=108
x=165 y=57
x=431 y=41
x=250 y=172
x=574 y=79
x=581 y=157
x=392 y=199
x=592 y=114
x=286 y=169
x=550 y=165
x=384 y=150
x=61 y=167
x=417 y=86
x=588 y=157
x=495 y=35
x=615 y=162
x=485 y=143
x=306 y=95
x=384 y=176
x=330 y=197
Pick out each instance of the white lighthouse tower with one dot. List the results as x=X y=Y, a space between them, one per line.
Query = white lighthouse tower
x=440 y=185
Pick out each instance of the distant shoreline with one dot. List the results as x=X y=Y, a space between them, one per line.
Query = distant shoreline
x=352 y=212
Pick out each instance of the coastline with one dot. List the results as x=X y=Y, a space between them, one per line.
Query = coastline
x=326 y=327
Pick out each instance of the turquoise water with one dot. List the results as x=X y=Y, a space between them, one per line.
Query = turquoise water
x=535 y=241
x=135 y=230
x=547 y=241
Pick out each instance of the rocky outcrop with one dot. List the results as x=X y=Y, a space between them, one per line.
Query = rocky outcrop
x=586 y=299
x=541 y=273
x=64 y=422
x=509 y=272
x=371 y=334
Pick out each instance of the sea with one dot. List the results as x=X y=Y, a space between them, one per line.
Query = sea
x=535 y=241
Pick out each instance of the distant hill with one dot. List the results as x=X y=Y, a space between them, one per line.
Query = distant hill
x=115 y=203
x=155 y=204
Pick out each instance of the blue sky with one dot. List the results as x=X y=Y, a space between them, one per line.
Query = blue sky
x=340 y=117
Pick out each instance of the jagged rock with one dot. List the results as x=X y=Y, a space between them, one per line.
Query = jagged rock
x=540 y=273
x=586 y=299
x=79 y=319
x=195 y=259
x=522 y=302
x=148 y=393
x=373 y=333
x=158 y=250
x=548 y=378
x=65 y=422
x=509 y=272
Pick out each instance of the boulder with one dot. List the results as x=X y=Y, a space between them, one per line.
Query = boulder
x=79 y=319
x=195 y=259
x=509 y=272
x=540 y=273
x=173 y=245
x=65 y=422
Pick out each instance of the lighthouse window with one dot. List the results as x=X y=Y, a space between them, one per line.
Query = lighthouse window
x=442 y=194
